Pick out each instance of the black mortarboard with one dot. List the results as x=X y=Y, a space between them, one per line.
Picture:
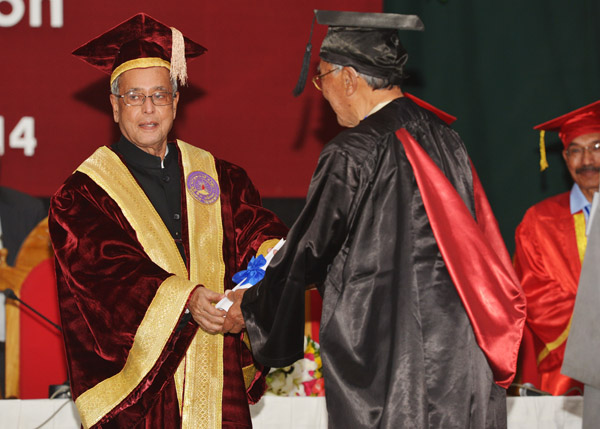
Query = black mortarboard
x=368 y=42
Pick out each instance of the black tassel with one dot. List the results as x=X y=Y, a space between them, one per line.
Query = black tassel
x=303 y=72
x=305 y=63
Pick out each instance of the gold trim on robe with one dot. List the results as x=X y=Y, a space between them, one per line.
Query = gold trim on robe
x=579 y=221
x=202 y=366
x=266 y=245
x=250 y=371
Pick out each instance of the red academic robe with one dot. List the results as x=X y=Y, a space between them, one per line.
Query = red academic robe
x=547 y=261
x=123 y=289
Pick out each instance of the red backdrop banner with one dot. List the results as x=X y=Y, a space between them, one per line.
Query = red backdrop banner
x=54 y=109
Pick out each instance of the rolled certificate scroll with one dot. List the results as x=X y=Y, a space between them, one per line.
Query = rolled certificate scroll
x=249 y=277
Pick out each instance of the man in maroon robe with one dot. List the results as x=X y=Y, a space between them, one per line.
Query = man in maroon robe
x=147 y=234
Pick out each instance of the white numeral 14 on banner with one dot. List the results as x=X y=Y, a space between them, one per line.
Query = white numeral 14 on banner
x=21 y=137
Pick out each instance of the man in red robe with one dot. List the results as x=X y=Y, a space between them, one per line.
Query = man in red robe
x=147 y=234
x=551 y=242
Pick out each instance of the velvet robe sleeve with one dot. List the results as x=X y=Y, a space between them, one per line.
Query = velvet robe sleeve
x=546 y=262
x=247 y=227
x=247 y=221
x=106 y=283
x=319 y=232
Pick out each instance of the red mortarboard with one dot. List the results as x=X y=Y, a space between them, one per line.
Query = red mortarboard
x=584 y=120
x=446 y=117
x=140 y=42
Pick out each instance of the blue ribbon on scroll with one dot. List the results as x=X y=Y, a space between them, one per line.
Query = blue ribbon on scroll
x=254 y=273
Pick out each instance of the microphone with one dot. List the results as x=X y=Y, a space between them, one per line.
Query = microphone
x=10 y=294
x=54 y=391
x=528 y=389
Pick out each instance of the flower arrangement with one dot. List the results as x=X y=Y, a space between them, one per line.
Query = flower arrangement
x=302 y=378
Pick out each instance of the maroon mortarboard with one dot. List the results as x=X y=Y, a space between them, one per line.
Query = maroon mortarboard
x=446 y=117
x=584 y=120
x=140 y=42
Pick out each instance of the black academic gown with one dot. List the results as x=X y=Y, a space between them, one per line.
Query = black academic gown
x=398 y=348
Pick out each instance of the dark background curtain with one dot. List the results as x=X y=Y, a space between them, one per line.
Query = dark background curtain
x=502 y=67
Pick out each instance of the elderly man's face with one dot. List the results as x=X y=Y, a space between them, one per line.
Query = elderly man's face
x=145 y=126
x=584 y=163
x=334 y=92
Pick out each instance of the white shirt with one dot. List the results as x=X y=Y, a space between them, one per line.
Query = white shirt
x=578 y=202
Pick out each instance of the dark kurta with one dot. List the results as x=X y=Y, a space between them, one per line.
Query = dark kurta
x=161 y=183
x=398 y=348
x=106 y=282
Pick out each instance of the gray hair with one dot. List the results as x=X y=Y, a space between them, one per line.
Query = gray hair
x=114 y=87
x=377 y=82
x=372 y=81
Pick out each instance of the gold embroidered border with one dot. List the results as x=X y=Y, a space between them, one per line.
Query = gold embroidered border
x=250 y=370
x=246 y=339
x=249 y=375
x=106 y=169
x=203 y=366
x=266 y=245
x=139 y=63
x=150 y=340
x=579 y=221
x=554 y=344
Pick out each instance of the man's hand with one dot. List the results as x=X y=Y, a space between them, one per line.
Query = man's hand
x=234 y=322
x=204 y=312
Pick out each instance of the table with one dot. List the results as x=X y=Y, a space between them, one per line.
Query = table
x=276 y=412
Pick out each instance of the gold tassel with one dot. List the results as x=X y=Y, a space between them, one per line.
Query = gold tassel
x=178 y=64
x=543 y=161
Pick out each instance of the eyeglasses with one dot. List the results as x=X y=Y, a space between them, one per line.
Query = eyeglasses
x=317 y=79
x=161 y=98
x=576 y=151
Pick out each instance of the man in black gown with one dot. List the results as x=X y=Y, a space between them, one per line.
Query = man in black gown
x=420 y=327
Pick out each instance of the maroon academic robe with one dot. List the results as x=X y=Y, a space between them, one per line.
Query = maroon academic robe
x=120 y=307
x=548 y=264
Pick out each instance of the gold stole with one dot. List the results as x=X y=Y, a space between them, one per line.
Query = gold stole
x=200 y=396
x=579 y=221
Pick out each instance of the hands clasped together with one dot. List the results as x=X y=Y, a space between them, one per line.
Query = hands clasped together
x=212 y=320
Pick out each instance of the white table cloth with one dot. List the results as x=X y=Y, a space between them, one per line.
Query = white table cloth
x=275 y=412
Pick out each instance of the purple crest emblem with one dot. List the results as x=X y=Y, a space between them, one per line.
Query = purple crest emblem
x=203 y=187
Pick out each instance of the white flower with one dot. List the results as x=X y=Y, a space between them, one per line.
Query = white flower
x=289 y=381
